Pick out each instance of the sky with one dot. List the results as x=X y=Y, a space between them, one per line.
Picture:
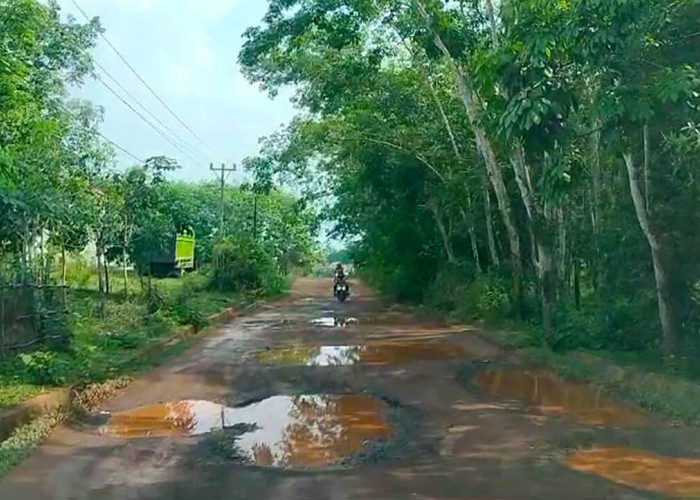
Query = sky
x=187 y=51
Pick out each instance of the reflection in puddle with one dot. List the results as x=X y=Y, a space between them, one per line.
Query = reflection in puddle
x=331 y=322
x=371 y=354
x=640 y=469
x=290 y=431
x=183 y=418
x=555 y=396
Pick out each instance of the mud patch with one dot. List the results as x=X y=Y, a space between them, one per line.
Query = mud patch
x=555 y=396
x=370 y=354
x=280 y=431
x=678 y=477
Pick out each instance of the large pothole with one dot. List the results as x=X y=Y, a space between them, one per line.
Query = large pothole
x=641 y=469
x=280 y=431
x=369 y=354
x=554 y=396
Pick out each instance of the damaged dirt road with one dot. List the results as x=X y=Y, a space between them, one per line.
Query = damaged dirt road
x=311 y=399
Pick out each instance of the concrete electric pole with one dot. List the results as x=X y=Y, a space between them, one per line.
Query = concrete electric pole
x=223 y=171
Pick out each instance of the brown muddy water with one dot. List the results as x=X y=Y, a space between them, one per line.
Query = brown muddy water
x=369 y=354
x=289 y=431
x=555 y=396
x=678 y=477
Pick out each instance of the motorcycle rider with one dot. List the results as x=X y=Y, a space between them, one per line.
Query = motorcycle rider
x=338 y=277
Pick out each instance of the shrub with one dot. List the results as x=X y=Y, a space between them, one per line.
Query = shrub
x=78 y=272
x=483 y=297
x=244 y=265
x=46 y=368
x=186 y=309
x=154 y=299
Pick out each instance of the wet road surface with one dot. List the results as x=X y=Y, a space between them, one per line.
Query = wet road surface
x=311 y=399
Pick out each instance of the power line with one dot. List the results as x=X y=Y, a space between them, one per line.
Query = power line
x=120 y=148
x=150 y=123
x=176 y=137
x=136 y=73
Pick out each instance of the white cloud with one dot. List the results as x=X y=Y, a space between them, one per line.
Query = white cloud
x=186 y=50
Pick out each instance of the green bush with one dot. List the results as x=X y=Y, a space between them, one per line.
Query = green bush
x=186 y=309
x=155 y=300
x=46 y=368
x=126 y=339
x=483 y=297
x=244 y=265
x=78 y=272
x=573 y=330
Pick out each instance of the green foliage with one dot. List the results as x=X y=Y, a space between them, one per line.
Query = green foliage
x=186 y=307
x=244 y=265
x=78 y=272
x=25 y=439
x=45 y=368
x=154 y=299
x=481 y=296
x=403 y=104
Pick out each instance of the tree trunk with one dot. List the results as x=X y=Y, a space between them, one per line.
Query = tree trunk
x=491 y=14
x=106 y=269
x=597 y=180
x=538 y=223
x=64 y=282
x=124 y=267
x=493 y=251
x=660 y=257
x=42 y=264
x=485 y=148
x=458 y=156
x=647 y=189
x=63 y=265
x=547 y=285
x=563 y=252
x=100 y=274
x=577 y=284
x=100 y=278
x=25 y=253
x=447 y=244
x=597 y=268
x=472 y=239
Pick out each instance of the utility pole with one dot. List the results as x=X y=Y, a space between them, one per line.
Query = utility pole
x=223 y=171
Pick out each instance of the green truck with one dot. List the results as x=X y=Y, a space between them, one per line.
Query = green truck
x=177 y=257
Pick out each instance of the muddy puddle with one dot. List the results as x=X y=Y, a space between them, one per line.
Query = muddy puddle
x=334 y=322
x=286 y=431
x=370 y=354
x=556 y=396
x=678 y=477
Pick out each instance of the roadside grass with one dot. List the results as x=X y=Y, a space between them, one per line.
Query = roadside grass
x=13 y=392
x=25 y=439
x=110 y=336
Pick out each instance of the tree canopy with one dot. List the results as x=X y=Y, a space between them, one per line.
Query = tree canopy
x=552 y=144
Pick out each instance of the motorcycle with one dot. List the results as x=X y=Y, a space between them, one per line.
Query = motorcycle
x=342 y=291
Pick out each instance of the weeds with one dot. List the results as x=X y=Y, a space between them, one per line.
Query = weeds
x=25 y=439
x=110 y=342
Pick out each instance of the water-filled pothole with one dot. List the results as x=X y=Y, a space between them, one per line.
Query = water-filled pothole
x=553 y=395
x=678 y=477
x=334 y=322
x=283 y=431
x=370 y=354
